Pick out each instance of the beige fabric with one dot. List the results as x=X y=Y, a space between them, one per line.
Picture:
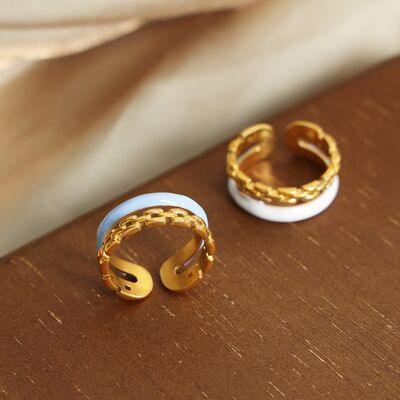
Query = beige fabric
x=35 y=30
x=81 y=129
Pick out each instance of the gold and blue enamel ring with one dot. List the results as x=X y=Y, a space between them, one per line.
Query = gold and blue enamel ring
x=178 y=273
x=283 y=204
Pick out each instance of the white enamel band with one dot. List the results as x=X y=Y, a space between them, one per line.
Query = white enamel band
x=276 y=213
x=158 y=199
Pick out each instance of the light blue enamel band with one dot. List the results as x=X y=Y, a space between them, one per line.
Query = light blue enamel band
x=159 y=199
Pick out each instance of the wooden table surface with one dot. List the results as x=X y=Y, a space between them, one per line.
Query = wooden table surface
x=299 y=311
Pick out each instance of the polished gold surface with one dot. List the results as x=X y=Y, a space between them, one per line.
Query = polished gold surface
x=179 y=273
x=305 y=138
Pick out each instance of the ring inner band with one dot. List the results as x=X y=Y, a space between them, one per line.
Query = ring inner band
x=178 y=273
x=304 y=138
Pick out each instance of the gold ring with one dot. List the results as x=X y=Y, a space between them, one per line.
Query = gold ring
x=306 y=139
x=178 y=273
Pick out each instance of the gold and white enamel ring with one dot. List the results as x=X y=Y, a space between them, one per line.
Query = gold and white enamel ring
x=283 y=204
x=178 y=273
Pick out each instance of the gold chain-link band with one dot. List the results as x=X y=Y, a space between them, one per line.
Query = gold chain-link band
x=305 y=138
x=178 y=273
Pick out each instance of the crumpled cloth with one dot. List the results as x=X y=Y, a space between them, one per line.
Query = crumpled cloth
x=97 y=96
x=37 y=30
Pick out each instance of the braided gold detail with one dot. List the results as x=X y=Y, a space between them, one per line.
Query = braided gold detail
x=303 y=137
x=152 y=218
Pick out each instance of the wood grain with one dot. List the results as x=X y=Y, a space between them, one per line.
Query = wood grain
x=297 y=311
